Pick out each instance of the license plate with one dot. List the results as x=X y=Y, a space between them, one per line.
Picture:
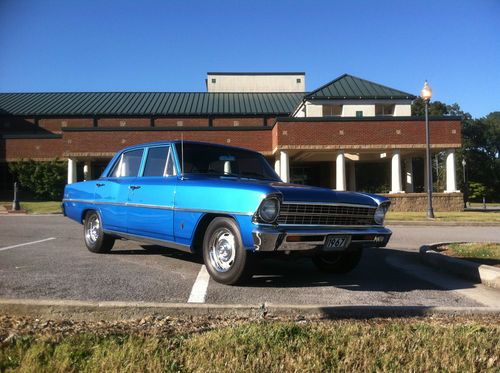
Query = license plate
x=336 y=243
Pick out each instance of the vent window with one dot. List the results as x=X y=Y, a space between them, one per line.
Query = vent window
x=332 y=110
x=384 y=110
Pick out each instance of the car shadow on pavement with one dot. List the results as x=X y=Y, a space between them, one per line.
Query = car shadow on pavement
x=372 y=274
x=159 y=250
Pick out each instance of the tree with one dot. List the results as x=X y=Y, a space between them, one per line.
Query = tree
x=44 y=179
x=480 y=148
x=436 y=108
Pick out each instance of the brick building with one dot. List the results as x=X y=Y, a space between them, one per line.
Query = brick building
x=350 y=134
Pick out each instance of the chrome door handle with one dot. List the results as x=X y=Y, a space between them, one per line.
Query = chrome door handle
x=134 y=187
x=100 y=184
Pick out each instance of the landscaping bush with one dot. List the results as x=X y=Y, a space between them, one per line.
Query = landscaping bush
x=45 y=180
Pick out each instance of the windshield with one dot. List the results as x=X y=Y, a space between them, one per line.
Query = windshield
x=222 y=161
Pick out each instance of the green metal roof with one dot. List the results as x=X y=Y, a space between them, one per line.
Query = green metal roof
x=351 y=87
x=148 y=103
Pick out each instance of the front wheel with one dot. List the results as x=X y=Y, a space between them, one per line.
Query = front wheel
x=338 y=262
x=223 y=253
x=95 y=239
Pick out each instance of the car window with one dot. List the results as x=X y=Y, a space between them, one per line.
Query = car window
x=128 y=164
x=159 y=162
x=224 y=161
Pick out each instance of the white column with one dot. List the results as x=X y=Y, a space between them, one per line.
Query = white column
x=451 y=175
x=409 y=175
x=396 y=172
x=352 y=176
x=87 y=171
x=340 y=176
x=71 y=171
x=277 y=166
x=284 y=166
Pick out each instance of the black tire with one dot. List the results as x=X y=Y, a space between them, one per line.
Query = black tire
x=226 y=259
x=95 y=239
x=338 y=262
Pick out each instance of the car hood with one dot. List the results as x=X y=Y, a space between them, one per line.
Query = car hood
x=302 y=193
x=291 y=192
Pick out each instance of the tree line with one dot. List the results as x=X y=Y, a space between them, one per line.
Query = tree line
x=480 y=150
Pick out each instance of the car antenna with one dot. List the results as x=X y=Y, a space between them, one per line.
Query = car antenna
x=182 y=156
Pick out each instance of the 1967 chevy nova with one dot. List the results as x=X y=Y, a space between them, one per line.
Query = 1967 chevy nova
x=225 y=202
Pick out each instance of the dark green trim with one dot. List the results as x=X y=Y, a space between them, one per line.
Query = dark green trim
x=322 y=98
x=367 y=119
x=31 y=136
x=256 y=73
x=178 y=129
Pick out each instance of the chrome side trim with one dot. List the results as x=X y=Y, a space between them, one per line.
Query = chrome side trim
x=78 y=200
x=213 y=211
x=153 y=241
x=150 y=206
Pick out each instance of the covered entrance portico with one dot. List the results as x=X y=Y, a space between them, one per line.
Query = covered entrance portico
x=86 y=167
x=382 y=170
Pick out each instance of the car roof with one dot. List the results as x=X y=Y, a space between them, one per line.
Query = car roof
x=159 y=143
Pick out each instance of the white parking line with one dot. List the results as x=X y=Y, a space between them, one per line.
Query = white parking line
x=199 y=290
x=27 y=243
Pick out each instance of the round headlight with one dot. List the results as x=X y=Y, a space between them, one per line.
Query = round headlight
x=380 y=214
x=269 y=210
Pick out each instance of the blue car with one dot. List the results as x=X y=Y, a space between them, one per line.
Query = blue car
x=226 y=203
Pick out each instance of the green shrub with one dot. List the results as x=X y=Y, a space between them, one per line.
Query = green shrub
x=477 y=191
x=45 y=180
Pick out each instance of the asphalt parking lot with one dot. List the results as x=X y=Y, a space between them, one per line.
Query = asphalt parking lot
x=44 y=257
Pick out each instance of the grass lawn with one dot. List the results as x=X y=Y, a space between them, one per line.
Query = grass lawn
x=485 y=253
x=464 y=216
x=38 y=207
x=158 y=345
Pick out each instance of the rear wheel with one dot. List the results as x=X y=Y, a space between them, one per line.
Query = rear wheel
x=338 y=262
x=95 y=238
x=223 y=252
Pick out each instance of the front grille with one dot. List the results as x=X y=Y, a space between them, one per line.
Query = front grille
x=304 y=214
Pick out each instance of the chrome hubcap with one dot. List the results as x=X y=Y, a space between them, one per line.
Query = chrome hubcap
x=92 y=231
x=222 y=250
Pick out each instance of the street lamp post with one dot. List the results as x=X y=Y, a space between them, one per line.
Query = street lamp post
x=466 y=187
x=426 y=94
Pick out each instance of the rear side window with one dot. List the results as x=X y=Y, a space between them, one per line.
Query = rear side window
x=159 y=162
x=128 y=164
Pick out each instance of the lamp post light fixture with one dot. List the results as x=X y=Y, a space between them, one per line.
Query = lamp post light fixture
x=426 y=94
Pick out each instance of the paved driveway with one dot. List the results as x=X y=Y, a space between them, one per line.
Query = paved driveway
x=43 y=257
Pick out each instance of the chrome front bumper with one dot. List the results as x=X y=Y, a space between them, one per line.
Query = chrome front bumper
x=279 y=239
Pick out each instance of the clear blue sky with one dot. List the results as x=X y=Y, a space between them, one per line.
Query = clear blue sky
x=111 y=45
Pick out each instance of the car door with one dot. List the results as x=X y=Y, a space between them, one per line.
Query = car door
x=151 y=196
x=112 y=191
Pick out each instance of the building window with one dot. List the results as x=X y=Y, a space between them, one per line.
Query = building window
x=384 y=110
x=299 y=80
x=213 y=80
x=332 y=110
x=359 y=114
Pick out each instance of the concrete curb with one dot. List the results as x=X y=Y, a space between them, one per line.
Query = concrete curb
x=94 y=311
x=485 y=274
x=431 y=223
